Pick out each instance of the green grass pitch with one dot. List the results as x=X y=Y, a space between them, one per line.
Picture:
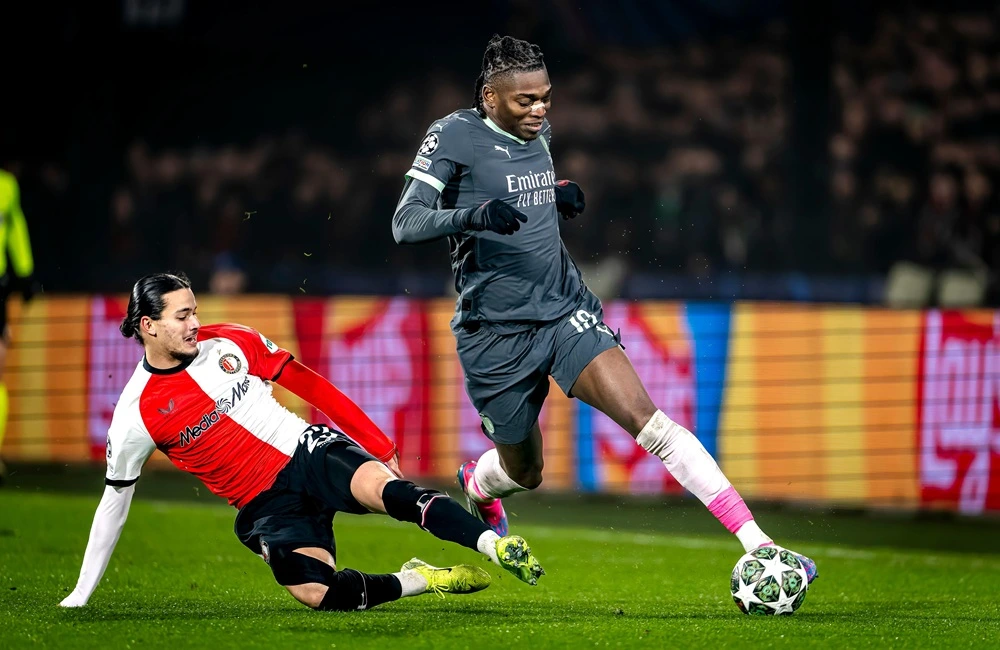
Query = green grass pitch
x=179 y=578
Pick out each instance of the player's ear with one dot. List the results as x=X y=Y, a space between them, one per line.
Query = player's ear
x=489 y=96
x=147 y=325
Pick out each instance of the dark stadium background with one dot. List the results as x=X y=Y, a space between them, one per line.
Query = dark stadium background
x=88 y=90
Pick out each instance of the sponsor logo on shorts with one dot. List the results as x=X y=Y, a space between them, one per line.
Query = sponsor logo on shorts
x=265 y=551
x=487 y=424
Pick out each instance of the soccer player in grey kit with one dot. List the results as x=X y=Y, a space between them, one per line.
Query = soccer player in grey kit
x=484 y=178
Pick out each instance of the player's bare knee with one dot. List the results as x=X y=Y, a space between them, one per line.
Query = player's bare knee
x=317 y=584
x=368 y=484
x=311 y=576
x=310 y=594
x=304 y=572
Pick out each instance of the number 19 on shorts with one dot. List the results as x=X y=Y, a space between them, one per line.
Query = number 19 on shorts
x=583 y=320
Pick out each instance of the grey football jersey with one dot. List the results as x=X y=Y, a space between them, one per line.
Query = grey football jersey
x=513 y=280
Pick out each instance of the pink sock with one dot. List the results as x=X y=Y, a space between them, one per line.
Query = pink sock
x=730 y=510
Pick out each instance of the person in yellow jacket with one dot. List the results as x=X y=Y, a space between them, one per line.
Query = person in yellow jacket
x=20 y=275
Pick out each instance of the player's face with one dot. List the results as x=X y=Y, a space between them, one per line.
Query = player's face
x=175 y=333
x=520 y=102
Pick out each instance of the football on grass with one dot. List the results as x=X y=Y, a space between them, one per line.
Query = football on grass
x=769 y=580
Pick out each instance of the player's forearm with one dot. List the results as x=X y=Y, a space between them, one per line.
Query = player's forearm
x=109 y=520
x=416 y=220
x=347 y=415
x=415 y=224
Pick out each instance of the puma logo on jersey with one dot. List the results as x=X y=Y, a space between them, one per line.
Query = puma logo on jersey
x=168 y=410
x=503 y=149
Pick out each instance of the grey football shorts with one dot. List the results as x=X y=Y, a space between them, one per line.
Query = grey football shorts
x=507 y=375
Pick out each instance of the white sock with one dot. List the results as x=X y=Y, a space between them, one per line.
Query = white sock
x=489 y=481
x=751 y=536
x=694 y=468
x=487 y=545
x=412 y=583
x=684 y=457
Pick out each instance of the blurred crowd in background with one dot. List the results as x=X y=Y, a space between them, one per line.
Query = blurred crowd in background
x=678 y=153
x=915 y=182
x=683 y=152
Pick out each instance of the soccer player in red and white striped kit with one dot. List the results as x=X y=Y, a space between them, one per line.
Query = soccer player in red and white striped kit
x=202 y=396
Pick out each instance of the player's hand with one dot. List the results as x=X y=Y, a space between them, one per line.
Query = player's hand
x=75 y=599
x=497 y=217
x=393 y=465
x=569 y=199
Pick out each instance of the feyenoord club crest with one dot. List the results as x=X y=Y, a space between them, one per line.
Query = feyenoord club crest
x=230 y=363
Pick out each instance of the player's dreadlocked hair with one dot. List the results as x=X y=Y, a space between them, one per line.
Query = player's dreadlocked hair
x=506 y=55
x=147 y=300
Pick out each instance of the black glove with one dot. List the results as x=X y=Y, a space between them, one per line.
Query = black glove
x=29 y=287
x=496 y=216
x=569 y=199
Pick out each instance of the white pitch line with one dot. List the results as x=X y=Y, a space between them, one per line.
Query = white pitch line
x=971 y=561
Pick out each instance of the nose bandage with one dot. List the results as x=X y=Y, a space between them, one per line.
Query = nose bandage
x=537 y=106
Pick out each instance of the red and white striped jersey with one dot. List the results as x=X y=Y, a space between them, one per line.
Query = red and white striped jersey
x=214 y=417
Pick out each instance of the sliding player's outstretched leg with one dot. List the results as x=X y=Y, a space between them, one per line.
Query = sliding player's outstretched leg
x=311 y=577
x=351 y=472
x=514 y=555
x=445 y=518
x=460 y=579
